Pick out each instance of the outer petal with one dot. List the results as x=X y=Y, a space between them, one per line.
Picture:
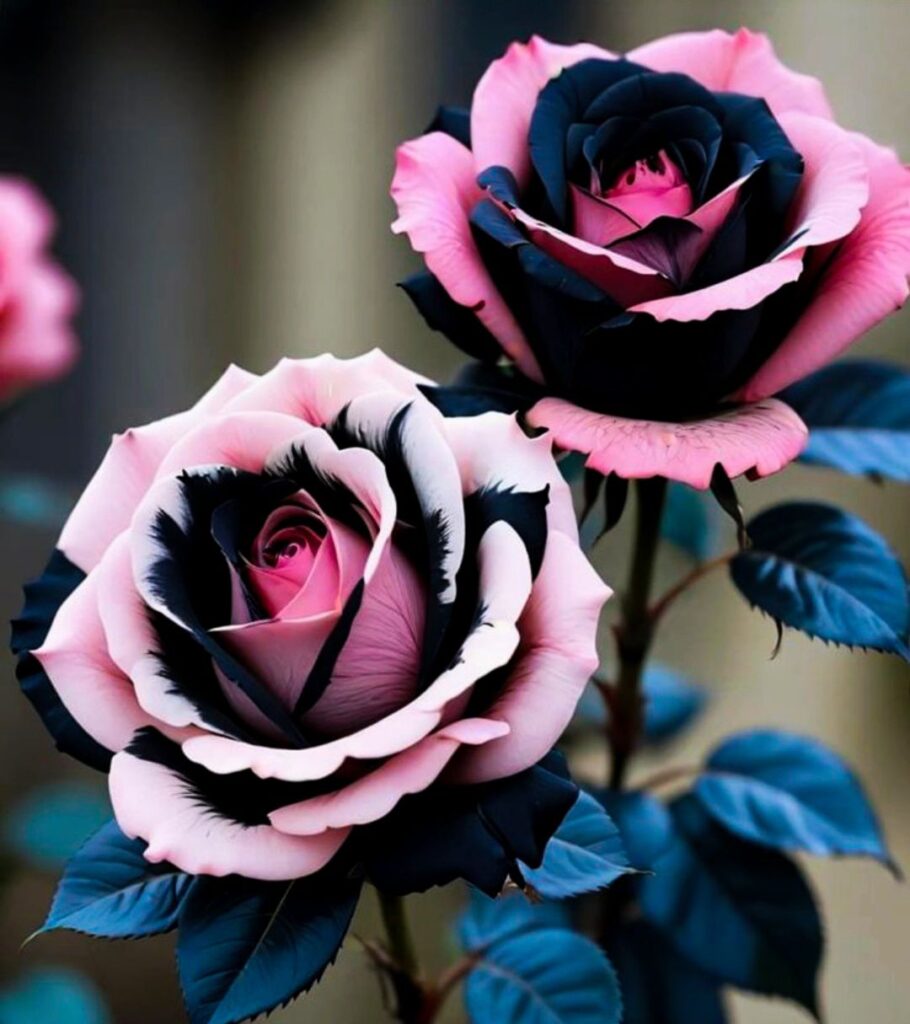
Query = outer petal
x=435 y=191
x=152 y=802
x=743 y=62
x=493 y=451
x=75 y=657
x=372 y=796
x=557 y=657
x=505 y=96
x=757 y=439
x=505 y=581
x=108 y=502
x=865 y=280
x=317 y=389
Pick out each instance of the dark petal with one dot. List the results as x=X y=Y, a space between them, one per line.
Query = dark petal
x=477 y=833
x=501 y=184
x=481 y=387
x=667 y=245
x=241 y=797
x=562 y=103
x=43 y=598
x=442 y=313
x=454 y=121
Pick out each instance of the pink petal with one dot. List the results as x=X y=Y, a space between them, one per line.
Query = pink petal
x=757 y=439
x=506 y=95
x=241 y=440
x=597 y=221
x=505 y=583
x=557 y=657
x=743 y=62
x=75 y=657
x=835 y=183
x=152 y=803
x=494 y=452
x=865 y=280
x=624 y=279
x=435 y=191
x=646 y=205
x=316 y=390
x=743 y=291
x=131 y=643
x=108 y=502
x=374 y=795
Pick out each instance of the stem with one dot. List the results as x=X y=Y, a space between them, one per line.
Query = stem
x=635 y=630
x=401 y=946
x=693 y=576
x=414 y=1003
x=668 y=776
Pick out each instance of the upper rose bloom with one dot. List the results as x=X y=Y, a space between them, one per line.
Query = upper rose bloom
x=660 y=241
x=309 y=596
x=37 y=299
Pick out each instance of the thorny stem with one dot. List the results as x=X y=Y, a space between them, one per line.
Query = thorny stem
x=635 y=630
x=411 y=996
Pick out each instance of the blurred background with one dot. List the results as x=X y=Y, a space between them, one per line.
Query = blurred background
x=221 y=169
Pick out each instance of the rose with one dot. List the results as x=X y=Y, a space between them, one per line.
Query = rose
x=659 y=242
x=37 y=299
x=309 y=596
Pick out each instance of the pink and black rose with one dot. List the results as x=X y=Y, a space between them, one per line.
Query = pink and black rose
x=658 y=242
x=311 y=620
x=37 y=298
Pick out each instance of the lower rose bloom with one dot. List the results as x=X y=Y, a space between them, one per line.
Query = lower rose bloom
x=311 y=618
x=659 y=242
x=37 y=299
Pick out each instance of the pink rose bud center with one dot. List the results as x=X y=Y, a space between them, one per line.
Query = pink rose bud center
x=650 y=188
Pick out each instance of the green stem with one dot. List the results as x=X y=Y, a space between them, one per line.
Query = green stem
x=401 y=945
x=635 y=630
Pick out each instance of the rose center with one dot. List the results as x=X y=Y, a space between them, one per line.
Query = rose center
x=651 y=187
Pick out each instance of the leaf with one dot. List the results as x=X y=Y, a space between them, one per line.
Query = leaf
x=34 y=501
x=689 y=521
x=658 y=985
x=585 y=854
x=245 y=946
x=488 y=920
x=55 y=995
x=792 y=793
x=53 y=821
x=742 y=913
x=818 y=569
x=672 y=702
x=643 y=822
x=858 y=414
x=549 y=976
x=109 y=889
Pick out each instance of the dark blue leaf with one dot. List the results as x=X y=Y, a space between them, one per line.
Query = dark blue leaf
x=585 y=854
x=792 y=793
x=488 y=920
x=245 y=947
x=742 y=913
x=643 y=822
x=658 y=985
x=53 y=995
x=818 y=569
x=549 y=976
x=690 y=521
x=110 y=889
x=52 y=822
x=858 y=414
x=671 y=702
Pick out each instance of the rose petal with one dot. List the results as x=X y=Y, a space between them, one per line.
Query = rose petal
x=112 y=495
x=435 y=190
x=865 y=280
x=93 y=689
x=556 y=659
x=374 y=795
x=505 y=97
x=743 y=62
x=153 y=803
x=757 y=439
x=505 y=584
